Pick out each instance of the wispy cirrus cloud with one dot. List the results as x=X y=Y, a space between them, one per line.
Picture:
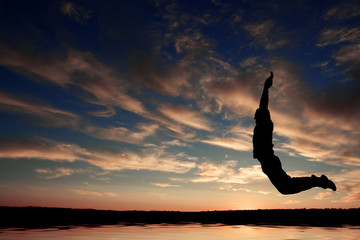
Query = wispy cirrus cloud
x=348 y=186
x=231 y=143
x=81 y=69
x=236 y=188
x=122 y=134
x=102 y=81
x=348 y=42
x=186 y=116
x=166 y=185
x=266 y=34
x=182 y=77
x=323 y=195
x=57 y=172
x=51 y=69
x=76 y=12
x=50 y=116
x=94 y=193
x=188 y=43
x=346 y=57
x=105 y=88
x=175 y=142
x=236 y=93
x=41 y=149
x=174 y=128
x=343 y=10
x=186 y=156
x=154 y=159
x=235 y=137
x=339 y=35
x=248 y=62
x=45 y=114
x=227 y=173
x=319 y=148
x=168 y=80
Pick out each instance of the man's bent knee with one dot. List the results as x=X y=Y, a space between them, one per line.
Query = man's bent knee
x=285 y=190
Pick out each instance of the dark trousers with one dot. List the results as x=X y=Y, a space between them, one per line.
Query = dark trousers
x=285 y=184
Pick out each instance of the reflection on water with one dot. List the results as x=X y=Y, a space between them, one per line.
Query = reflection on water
x=188 y=231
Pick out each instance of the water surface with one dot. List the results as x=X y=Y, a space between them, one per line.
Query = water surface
x=186 y=231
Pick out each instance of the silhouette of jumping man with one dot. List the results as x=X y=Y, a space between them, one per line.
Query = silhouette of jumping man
x=270 y=164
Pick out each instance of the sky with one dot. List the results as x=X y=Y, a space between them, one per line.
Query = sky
x=149 y=105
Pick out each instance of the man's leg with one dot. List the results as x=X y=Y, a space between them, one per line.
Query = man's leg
x=291 y=185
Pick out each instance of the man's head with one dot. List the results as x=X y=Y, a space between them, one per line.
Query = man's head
x=262 y=115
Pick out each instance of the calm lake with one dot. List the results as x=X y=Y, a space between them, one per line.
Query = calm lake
x=186 y=231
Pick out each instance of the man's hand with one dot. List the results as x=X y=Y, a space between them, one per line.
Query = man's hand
x=269 y=81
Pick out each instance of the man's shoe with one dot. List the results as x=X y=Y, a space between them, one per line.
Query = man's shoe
x=326 y=183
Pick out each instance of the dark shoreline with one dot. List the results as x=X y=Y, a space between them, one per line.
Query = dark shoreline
x=41 y=217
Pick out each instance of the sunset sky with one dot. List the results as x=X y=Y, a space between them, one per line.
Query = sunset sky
x=149 y=105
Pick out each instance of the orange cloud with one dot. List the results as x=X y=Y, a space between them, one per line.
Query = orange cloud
x=41 y=149
x=187 y=117
x=226 y=173
x=236 y=93
x=165 y=185
x=348 y=186
x=122 y=134
x=154 y=159
x=231 y=143
x=94 y=193
x=57 y=172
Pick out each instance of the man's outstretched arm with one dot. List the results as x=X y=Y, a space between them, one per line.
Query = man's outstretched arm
x=264 y=101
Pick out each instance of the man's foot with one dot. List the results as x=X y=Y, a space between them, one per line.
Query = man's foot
x=326 y=183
